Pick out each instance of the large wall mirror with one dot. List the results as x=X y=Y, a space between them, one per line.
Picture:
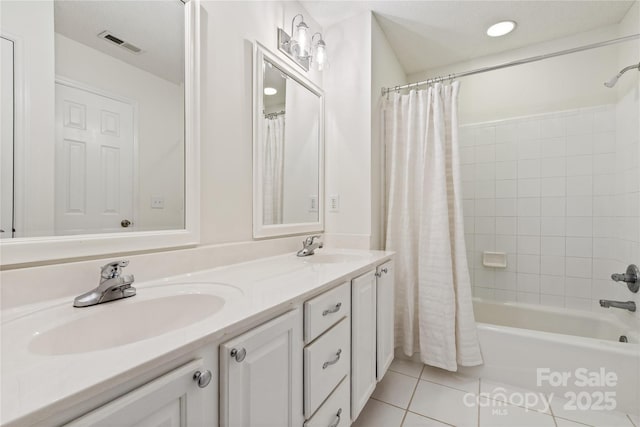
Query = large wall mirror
x=99 y=127
x=288 y=148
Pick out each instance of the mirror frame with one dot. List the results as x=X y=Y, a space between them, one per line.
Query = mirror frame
x=260 y=230
x=49 y=248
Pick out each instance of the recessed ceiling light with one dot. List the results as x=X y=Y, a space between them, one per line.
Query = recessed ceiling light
x=501 y=28
x=270 y=91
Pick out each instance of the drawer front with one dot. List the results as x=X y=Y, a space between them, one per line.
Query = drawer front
x=335 y=411
x=324 y=311
x=326 y=362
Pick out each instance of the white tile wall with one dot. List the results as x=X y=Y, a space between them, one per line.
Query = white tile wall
x=560 y=194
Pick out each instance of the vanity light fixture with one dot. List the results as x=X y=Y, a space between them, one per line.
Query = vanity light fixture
x=320 y=52
x=270 y=91
x=300 y=45
x=501 y=28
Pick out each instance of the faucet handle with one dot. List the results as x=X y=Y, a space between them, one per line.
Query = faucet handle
x=113 y=269
x=309 y=240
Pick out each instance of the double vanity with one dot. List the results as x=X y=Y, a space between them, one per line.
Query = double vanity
x=279 y=341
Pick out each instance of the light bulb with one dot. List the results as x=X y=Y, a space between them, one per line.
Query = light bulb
x=301 y=40
x=321 y=55
x=501 y=28
x=270 y=91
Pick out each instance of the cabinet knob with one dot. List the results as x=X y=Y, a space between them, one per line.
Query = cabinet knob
x=325 y=365
x=203 y=378
x=382 y=271
x=239 y=355
x=337 y=419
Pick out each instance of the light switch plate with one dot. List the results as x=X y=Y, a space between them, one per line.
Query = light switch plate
x=313 y=203
x=334 y=203
x=157 y=202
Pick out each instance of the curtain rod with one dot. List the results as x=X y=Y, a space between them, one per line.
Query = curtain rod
x=271 y=115
x=386 y=90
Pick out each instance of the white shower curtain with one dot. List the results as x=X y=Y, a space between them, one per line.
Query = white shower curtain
x=273 y=170
x=425 y=227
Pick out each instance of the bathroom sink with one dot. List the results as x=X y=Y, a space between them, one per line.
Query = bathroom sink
x=320 y=258
x=121 y=322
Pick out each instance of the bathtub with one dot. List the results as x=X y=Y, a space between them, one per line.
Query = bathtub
x=559 y=351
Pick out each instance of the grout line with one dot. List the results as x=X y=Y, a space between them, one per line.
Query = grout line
x=387 y=403
x=413 y=395
x=448 y=386
x=406 y=411
x=521 y=407
x=573 y=421
x=404 y=417
x=478 y=400
x=406 y=375
x=416 y=386
x=431 y=418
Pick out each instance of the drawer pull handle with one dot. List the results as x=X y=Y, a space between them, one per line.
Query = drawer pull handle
x=325 y=365
x=332 y=310
x=239 y=355
x=337 y=420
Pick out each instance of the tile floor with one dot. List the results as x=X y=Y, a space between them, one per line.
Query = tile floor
x=414 y=395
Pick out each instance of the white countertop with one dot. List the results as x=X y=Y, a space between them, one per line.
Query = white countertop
x=35 y=386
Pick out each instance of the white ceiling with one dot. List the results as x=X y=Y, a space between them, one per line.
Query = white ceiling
x=431 y=34
x=157 y=27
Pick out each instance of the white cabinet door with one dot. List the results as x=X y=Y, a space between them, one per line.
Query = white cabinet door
x=261 y=375
x=385 y=321
x=172 y=400
x=363 y=341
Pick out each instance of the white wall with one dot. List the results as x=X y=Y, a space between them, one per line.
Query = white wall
x=347 y=85
x=386 y=71
x=30 y=24
x=160 y=106
x=557 y=84
x=228 y=29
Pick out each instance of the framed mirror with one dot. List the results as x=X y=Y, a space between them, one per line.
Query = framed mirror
x=100 y=135
x=288 y=149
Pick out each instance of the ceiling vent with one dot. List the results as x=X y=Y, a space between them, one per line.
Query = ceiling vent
x=111 y=38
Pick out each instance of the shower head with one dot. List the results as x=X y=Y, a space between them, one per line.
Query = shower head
x=612 y=82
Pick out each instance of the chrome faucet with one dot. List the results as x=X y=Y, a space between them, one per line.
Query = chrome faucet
x=630 y=277
x=309 y=245
x=113 y=285
x=628 y=305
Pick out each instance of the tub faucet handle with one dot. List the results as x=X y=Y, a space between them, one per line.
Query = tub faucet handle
x=630 y=277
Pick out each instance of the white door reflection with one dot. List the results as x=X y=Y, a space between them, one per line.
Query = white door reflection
x=95 y=162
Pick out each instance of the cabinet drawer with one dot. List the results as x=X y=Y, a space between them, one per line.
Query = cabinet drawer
x=335 y=411
x=326 y=362
x=325 y=310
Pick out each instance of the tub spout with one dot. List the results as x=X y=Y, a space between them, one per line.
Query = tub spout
x=628 y=305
